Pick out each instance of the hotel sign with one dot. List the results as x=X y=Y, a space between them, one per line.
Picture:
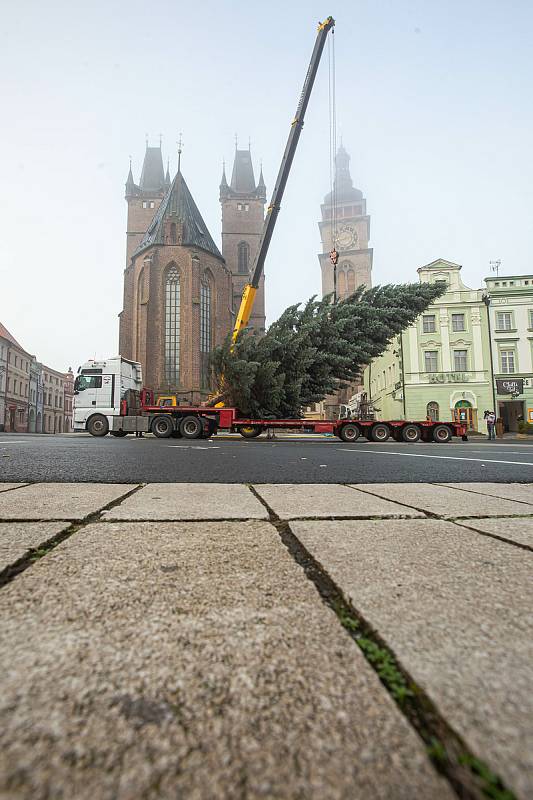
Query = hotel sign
x=447 y=377
x=513 y=386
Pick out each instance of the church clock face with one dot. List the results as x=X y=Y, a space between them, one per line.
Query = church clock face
x=347 y=237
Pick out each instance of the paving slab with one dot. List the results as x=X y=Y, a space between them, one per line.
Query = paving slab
x=5 y=487
x=445 y=501
x=293 y=501
x=455 y=607
x=16 y=538
x=515 y=530
x=191 y=660
x=190 y=501
x=72 y=501
x=522 y=492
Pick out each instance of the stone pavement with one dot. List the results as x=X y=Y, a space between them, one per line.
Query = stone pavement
x=178 y=640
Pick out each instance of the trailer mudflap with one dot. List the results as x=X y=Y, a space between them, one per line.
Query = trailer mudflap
x=131 y=424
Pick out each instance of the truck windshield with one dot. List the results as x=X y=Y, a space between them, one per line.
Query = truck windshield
x=83 y=382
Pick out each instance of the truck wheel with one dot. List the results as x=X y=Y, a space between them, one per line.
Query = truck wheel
x=119 y=434
x=162 y=427
x=98 y=425
x=411 y=433
x=191 y=427
x=349 y=432
x=380 y=432
x=441 y=434
x=251 y=431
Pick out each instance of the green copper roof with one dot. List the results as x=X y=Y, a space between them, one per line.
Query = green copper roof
x=179 y=205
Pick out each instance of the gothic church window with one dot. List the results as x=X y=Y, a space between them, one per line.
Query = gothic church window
x=243 y=257
x=205 y=329
x=173 y=234
x=172 y=326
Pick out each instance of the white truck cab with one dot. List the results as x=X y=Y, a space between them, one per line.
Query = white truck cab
x=98 y=390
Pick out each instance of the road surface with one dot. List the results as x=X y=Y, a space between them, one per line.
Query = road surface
x=225 y=459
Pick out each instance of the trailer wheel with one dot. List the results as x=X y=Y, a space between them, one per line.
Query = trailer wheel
x=411 y=433
x=98 y=425
x=162 y=427
x=251 y=431
x=191 y=427
x=441 y=434
x=119 y=434
x=349 y=432
x=380 y=432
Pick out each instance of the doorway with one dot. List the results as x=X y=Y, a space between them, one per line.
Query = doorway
x=465 y=414
x=511 y=411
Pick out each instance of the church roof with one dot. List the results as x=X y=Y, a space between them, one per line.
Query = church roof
x=344 y=189
x=178 y=204
x=153 y=174
x=242 y=177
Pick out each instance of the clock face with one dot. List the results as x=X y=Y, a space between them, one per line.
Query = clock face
x=347 y=237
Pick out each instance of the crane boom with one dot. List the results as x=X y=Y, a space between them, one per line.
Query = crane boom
x=250 y=290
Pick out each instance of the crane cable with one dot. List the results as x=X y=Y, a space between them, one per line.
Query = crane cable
x=332 y=102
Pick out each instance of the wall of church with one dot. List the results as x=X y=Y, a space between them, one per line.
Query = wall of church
x=148 y=319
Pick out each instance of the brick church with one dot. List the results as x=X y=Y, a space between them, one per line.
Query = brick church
x=181 y=293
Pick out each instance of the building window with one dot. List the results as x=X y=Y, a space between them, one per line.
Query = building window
x=341 y=284
x=432 y=411
x=531 y=318
x=431 y=360
x=173 y=233
x=428 y=323
x=507 y=360
x=205 y=332
x=148 y=204
x=458 y=322
x=172 y=327
x=459 y=360
x=504 y=321
x=243 y=257
x=350 y=280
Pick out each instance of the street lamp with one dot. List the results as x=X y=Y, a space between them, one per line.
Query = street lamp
x=486 y=300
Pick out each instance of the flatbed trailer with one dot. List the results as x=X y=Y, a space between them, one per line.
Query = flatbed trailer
x=195 y=422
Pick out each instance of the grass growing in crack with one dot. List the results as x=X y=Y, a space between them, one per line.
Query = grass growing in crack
x=491 y=784
x=380 y=658
x=39 y=552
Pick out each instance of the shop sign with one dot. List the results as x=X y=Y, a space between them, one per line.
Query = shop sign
x=447 y=377
x=513 y=386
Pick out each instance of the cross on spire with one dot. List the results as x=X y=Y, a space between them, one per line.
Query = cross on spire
x=180 y=148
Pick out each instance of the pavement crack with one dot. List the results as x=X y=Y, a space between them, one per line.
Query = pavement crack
x=36 y=553
x=468 y=776
x=463 y=524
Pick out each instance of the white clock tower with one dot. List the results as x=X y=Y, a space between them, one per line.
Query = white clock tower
x=354 y=266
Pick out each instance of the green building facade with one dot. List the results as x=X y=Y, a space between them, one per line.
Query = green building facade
x=440 y=367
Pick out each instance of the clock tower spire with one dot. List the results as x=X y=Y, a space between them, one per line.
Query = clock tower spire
x=351 y=236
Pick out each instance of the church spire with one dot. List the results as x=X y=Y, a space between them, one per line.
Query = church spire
x=167 y=176
x=131 y=188
x=261 y=188
x=153 y=173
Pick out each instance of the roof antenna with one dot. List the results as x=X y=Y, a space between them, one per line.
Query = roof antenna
x=180 y=147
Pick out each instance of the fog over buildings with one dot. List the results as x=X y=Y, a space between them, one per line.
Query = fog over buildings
x=433 y=103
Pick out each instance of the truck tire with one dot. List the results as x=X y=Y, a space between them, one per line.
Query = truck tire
x=118 y=434
x=98 y=425
x=350 y=432
x=162 y=427
x=191 y=427
x=441 y=434
x=251 y=431
x=411 y=433
x=380 y=432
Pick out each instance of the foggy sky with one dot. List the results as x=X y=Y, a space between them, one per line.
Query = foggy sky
x=433 y=103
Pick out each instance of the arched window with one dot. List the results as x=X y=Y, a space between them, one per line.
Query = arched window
x=341 y=284
x=350 y=280
x=172 y=326
x=432 y=411
x=205 y=329
x=173 y=234
x=243 y=254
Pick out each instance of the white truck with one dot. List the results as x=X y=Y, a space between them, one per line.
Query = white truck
x=99 y=390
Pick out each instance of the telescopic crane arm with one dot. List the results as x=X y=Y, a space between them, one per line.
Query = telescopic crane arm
x=250 y=290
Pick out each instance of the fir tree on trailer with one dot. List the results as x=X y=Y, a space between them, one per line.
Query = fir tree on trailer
x=310 y=351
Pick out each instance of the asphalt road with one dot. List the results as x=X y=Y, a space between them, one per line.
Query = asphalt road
x=222 y=459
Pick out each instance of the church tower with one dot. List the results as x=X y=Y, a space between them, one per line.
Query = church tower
x=353 y=233
x=242 y=204
x=143 y=201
